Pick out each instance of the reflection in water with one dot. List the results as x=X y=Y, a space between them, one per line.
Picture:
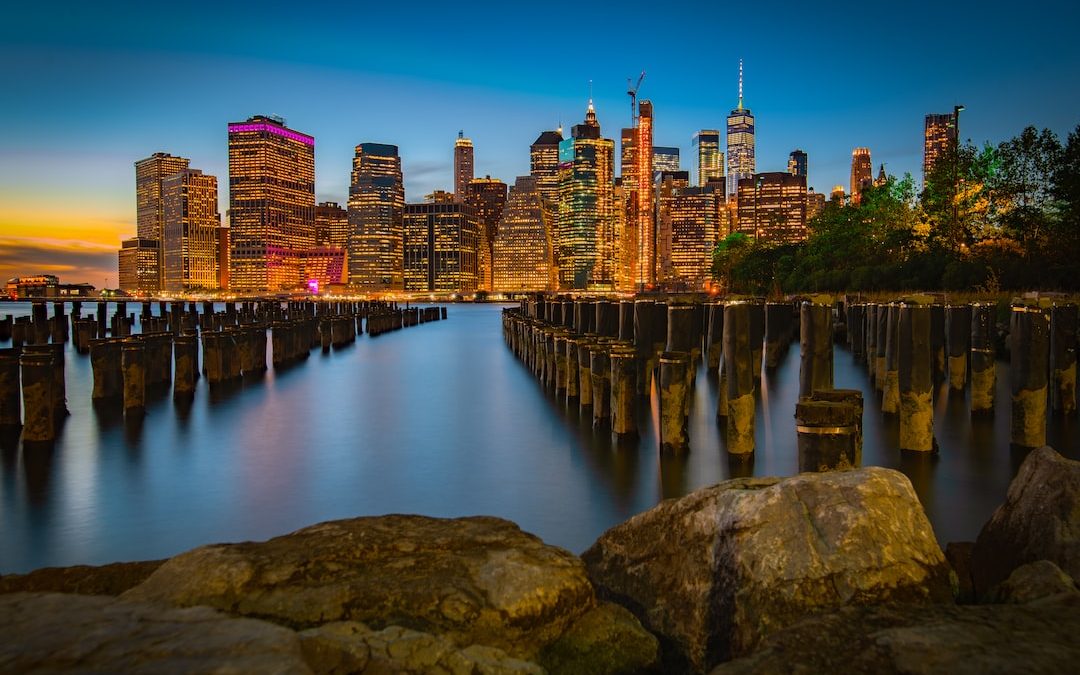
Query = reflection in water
x=439 y=419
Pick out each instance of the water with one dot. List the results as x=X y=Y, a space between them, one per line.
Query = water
x=439 y=419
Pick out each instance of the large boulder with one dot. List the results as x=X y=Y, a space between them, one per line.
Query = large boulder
x=1040 y=520
x=714 y=572
x=606 y=639
x=112 y=579
x=477 y=580
x=351 y=647
x=956 y=639
x=53 y=632
x=1035 y=581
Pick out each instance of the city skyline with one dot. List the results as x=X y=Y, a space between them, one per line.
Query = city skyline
x=90 y=102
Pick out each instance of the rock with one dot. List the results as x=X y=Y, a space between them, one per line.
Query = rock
x=1035 y=581
x=474 y=580
x=351 y=647
x=606 y=640
x=111 y=579
x=955 y=639
x=712 y=573
x=52 y=632
x=958 y=553
x=1039 y=520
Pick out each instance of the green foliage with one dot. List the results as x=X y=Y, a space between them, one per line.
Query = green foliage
x=1005 y=216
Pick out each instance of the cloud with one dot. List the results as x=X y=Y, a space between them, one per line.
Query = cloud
x=72 y=261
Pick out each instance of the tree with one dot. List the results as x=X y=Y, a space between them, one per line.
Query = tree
x=728 y=253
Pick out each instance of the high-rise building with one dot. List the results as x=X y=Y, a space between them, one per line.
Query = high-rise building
x=815 y=204
x=882 y=178
x=585 y=221
x=487 y=196
x=271 y=203
x=837 y=195
x=710 y=159
x=939 y=138
x=544 y=164
x=331 y=232
x=862 y=173
x=796 y=163
x=523 y=258
x=645 y=211
x=376 y=208
x=691 y=222
x=442 y=240
x=192 y=225
x=463 y=166
x=740 y=142
x=149 y=208
x=224 y=253
x=665 y=159
x=625 y=236
x=138 y=265
x=772 y=207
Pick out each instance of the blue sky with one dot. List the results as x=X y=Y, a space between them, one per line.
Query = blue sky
x=89 y=88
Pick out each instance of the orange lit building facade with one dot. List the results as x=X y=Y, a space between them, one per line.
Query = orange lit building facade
x=487 y=197
x=376 y=209
x=772 y=207
x=442 y=240
x=192 y=232
x=271 y=204
x=523 y=259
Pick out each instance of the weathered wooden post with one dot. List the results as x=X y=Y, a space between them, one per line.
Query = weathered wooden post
x=1028 y=372
x=133 y=356
x=573 y=343
x=738 y=368
x=600 y=368
x=623 y=391
x=958 y=334
x=827 y=435
x=626 y=321
x=881 y=328
x=10 y=401
x=937 y=342
x=854 y=398
x=777 y=331
x=871 y=342
x=714 y=336
x=1063 y=320
x=674 y=400
x=607 y=319
x=105 y=360
x=815 y=342
x=39 y=424
x=915 y=379
x=186 y=354
x=585 y=346
x=757 y=336
x=983 y=375
x=890 y=395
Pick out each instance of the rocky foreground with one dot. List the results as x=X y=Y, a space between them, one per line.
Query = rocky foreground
x=832 y=572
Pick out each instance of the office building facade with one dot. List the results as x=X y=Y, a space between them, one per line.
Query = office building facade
x=376 y=211
x=523 y=257
x=192 y=231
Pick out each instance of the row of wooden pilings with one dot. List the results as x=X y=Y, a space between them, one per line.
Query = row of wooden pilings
x=125 y=366
x=601 y=355
x=908 y=347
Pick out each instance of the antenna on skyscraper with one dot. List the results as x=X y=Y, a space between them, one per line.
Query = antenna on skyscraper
x=740 y=84
x=461 y=133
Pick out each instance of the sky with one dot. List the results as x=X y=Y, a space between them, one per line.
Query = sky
x=89 y=88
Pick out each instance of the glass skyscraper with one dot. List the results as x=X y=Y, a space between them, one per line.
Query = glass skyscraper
x=709 y=157
x=376 y=207
x=740 y=143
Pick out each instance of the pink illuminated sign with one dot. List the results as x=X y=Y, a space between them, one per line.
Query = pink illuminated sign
x=313 y=286
x=278 y=131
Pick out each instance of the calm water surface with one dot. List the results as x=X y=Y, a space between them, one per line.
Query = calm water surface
x=440 y=419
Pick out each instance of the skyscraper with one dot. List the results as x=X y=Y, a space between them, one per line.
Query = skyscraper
x=815 y=203
x=332 y=232
x=487 y=196
x=772 y=207
x=463 y=165
x=192 y=222
x=376 y=207
x=522 y=250
x=646 y=217
x=862 y=173
x=665 y=159
x=271 y=203
x=441 y=242
x=710 y=159
x=740 y=142
x=137 y=263
x=939 y=139
x=796 y=164
x=544 y=164
x=586 y=220
x=690 y=224
x=150 y=211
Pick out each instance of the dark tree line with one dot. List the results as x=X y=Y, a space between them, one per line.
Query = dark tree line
x=988 y=218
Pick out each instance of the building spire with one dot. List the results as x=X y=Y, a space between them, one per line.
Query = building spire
x=740 y=84
x=461 y=134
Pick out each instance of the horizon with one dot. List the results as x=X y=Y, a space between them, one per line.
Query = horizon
x=176 y=88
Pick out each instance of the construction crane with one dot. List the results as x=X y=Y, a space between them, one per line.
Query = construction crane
x=632 y=92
